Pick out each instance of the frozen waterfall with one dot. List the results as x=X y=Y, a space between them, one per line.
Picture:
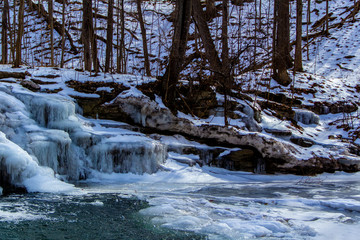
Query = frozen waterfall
x=41 y=134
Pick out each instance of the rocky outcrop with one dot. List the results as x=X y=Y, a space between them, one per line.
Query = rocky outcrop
x=277 y=155
x=148 y=113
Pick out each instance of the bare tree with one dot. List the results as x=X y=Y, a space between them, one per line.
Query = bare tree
x=178 y=50
x=143 y=35
x=225 y=58
x=86 y=33
x=20 y=33
x=281 y=51
x=62 y=61
x=209 y=46
x=210 y=9
x=327 y=17
x=94 y=50
x=307 y=28
x=109 y=36
x=5 y=27
x=88 y=37
x=298 y=49
x=51 y=23
x=121 y=63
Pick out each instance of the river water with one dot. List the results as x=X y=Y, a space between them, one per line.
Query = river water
x=190 y=203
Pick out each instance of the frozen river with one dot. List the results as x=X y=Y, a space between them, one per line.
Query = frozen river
x=190 y=203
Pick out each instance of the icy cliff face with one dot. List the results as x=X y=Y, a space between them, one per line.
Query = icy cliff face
x=41 y=135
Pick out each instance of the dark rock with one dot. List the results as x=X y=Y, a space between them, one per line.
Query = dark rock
x=241 y=160
x=277 y=97
x=51 y=76
x=279 y=132
x=41 y=82
x=334 y=108
x=317 y=165
x=303 y=142
x=30 y=85
x=148 y=114
x=357 y=87
x=282 y=110
x=21 y=75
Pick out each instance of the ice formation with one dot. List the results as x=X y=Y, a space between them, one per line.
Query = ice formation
x=43 y=136
x=306 y=117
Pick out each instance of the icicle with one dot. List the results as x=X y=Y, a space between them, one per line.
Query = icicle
x=306 y=117
x=122 y=157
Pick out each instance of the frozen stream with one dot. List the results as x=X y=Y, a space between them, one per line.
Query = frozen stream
x=190 y=203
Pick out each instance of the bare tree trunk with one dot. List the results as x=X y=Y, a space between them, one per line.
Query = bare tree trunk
x=354 y=9
x=109 y=36
x=307 y=28
x=5 y=27
x=19 y=34
x=255 y=33
x=143 y=35
x=225 y=58
x=210 y=9
x=210 y=50
x=282 y=41
x=51 y=23
x=62 y=61
x=327 y=17
x=94 y=50
x=87 y=33
x=298 y=49
x=121 y=65
x=13 y=42
x=178 y=50
x=274 y=36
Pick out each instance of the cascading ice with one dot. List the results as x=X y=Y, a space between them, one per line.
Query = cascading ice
x=19 y=169
x=46 y=129
x=138 y=157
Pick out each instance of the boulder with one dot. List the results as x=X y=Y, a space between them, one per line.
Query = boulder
x=279 y=132
x=303 y=142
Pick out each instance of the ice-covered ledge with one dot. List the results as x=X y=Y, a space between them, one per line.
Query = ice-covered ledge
x=279 y=155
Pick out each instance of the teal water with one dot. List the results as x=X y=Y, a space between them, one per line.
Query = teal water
x=95 y=216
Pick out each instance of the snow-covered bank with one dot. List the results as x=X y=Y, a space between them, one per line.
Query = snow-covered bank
x=47 y=125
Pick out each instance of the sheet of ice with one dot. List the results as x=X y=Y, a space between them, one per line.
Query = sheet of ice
x=224 y=204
